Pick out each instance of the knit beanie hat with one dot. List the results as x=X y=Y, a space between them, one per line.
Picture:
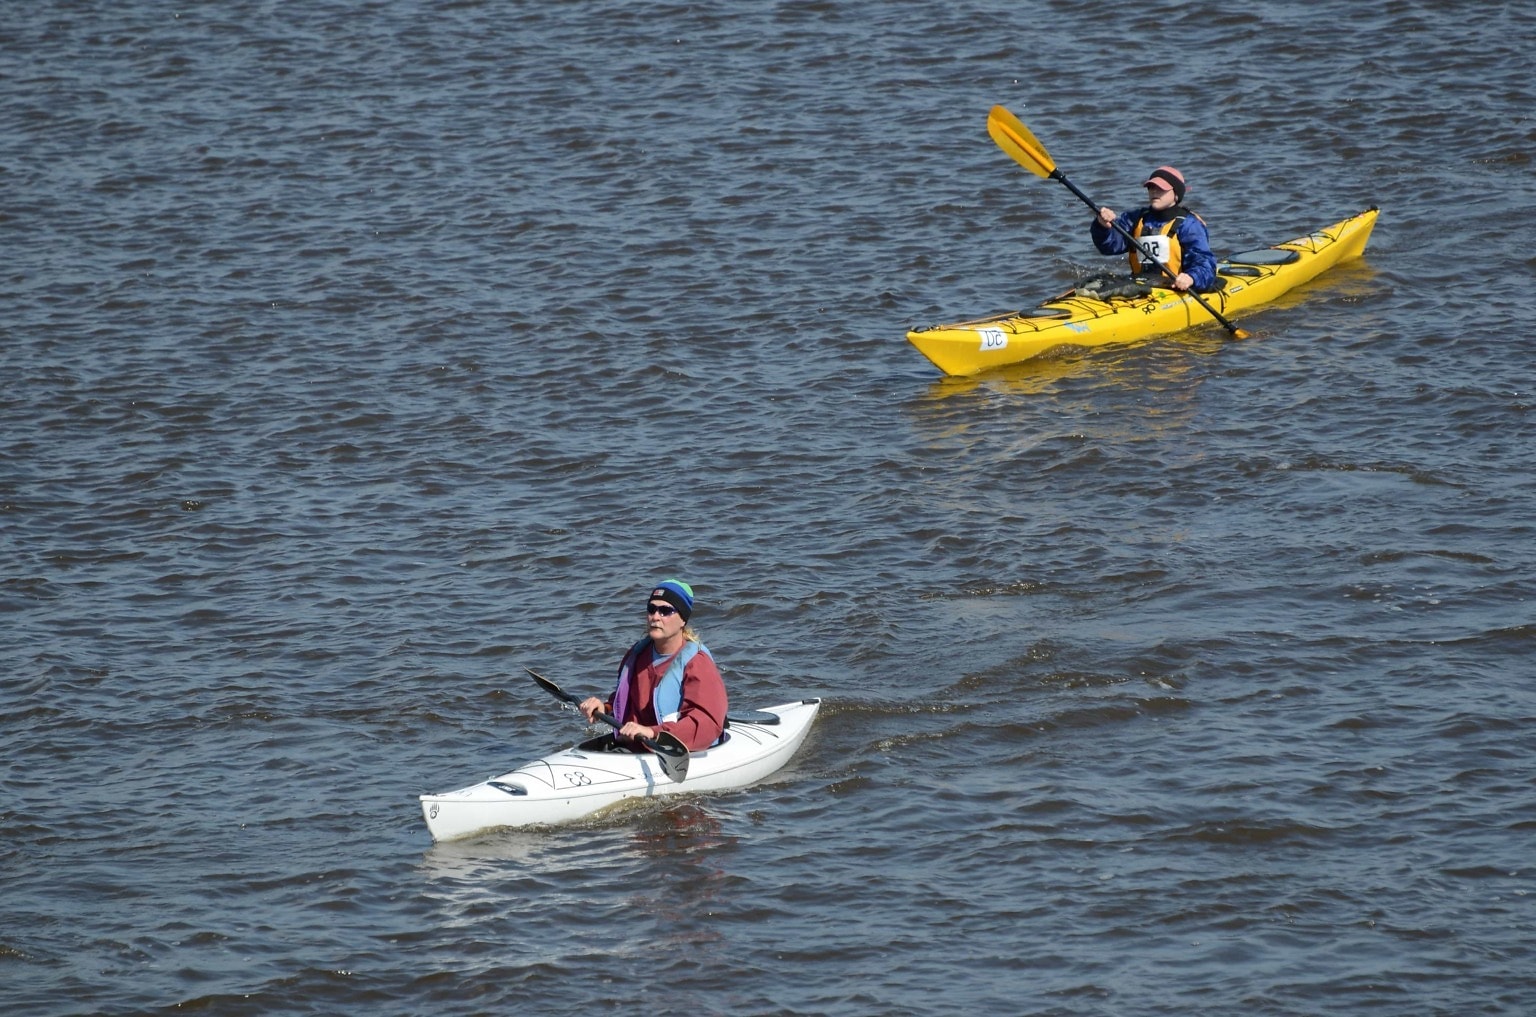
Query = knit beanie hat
x=677 y=593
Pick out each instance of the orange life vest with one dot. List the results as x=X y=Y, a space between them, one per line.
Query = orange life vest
x=1170 y=231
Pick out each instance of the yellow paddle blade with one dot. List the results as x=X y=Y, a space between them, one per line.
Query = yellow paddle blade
x=1014 y=138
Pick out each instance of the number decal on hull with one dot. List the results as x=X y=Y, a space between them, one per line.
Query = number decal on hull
x=993 y=338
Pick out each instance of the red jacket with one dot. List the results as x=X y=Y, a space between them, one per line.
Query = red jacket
x=700 y=718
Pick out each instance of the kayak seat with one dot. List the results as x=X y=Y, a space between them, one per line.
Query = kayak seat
x=606 y=743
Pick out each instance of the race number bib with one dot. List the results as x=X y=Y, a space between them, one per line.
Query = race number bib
x=1156 y=247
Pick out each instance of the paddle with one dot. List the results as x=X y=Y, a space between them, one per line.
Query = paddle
x=1023 y=148
x=669 y=749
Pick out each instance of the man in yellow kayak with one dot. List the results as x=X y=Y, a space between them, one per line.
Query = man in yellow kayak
x=1166 y=229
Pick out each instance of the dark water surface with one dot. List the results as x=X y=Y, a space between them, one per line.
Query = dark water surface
x=359 y=355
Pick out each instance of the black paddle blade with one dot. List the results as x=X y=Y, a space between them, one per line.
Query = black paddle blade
x=672 y=754
x=552 y=688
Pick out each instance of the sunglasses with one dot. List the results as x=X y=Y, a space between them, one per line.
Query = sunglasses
x=665 y=610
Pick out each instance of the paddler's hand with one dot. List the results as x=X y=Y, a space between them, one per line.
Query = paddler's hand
x=1107 y=216
x=1182 y=282
x=637 y=731
x=590 y=707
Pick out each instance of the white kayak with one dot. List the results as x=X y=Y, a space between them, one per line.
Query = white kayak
x=578 y=781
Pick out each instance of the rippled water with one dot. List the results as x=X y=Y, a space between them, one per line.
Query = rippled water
x=359 y=355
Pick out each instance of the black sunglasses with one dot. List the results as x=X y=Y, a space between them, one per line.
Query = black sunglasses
x=665 y=610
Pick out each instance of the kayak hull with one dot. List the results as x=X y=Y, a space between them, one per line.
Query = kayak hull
x=578 y=781
x=1249 y=280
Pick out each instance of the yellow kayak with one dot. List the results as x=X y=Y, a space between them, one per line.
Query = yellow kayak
x=1247 y=280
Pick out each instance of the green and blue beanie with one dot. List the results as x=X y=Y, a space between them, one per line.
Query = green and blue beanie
x=677 y=593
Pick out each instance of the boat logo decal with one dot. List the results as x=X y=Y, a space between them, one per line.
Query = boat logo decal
x=577 y=778
x=432 y=814
x=993 y=338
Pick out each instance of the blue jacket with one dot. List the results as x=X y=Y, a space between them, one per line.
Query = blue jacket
x=1195 y=256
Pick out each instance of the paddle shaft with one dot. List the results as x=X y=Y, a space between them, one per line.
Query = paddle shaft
x=1057 y=174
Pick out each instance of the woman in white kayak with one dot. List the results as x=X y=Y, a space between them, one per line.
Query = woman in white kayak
x=668 y=680
x=1177 y=235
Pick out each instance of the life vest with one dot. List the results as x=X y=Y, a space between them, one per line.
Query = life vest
x=667 y=697
x=1164 y=242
